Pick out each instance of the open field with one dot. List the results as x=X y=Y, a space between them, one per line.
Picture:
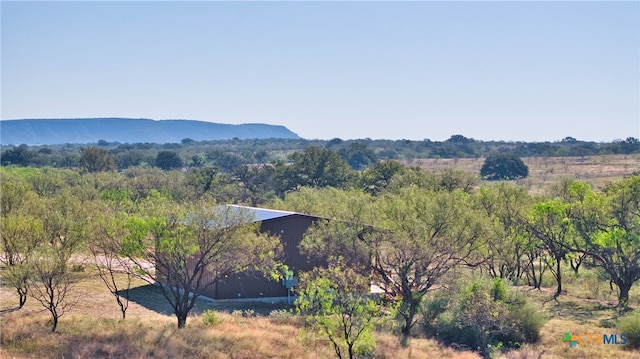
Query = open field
x=93 y=328
x=545 y=171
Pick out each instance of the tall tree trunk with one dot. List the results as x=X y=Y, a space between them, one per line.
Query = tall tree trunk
x=54 y=325
x=22 y=293
x=558 y=278
x=123 y=308
x=336 y=348
x=182 y=320
x=541 y=270
x=352 y=353
x=623 y=296
x=412 y=309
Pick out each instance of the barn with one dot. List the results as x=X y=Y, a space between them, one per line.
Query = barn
x=290 y=227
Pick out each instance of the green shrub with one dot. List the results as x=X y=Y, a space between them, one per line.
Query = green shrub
x=210 y=318
x=528 y=320
x=499 y=289
x=432 y=307
x=483 y=314
x=629 y=325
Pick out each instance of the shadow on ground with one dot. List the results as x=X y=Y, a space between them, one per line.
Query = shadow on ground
x=150 y=297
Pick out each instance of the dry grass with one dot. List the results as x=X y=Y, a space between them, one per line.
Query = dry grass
x=546 y=171
x=93 y=329
x=587 y=307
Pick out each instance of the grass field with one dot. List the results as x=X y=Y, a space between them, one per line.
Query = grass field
x=545 y=171
x=93 y=328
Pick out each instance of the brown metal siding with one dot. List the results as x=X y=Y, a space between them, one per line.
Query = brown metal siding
x=291 y=230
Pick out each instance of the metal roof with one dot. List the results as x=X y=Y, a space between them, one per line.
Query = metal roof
x=261 y=214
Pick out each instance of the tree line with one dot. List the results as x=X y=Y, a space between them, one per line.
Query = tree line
x=403 y=229
x=230 y=154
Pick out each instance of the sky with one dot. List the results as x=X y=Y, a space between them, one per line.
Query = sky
x=489 y=70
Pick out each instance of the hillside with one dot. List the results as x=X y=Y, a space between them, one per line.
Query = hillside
x=129 y=130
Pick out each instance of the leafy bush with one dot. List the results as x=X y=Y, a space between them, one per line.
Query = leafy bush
x=528 y=320
x=210 y=318
x=168 y=160
x=499 y=289
x=432 y=308
x=503 y=167
x=483 y=315
x=332 y=302
x=629 y=325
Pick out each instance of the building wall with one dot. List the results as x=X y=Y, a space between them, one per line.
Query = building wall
x=254 y=285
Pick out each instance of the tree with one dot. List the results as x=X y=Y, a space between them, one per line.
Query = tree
x=630 y=145
x=315 y=167
x=133 y=157
x=505 y=206
x=336 y=304
x=378 y=176
x=226 y=162
x=175 y=248
x=95 y=159
x=609 y=225
x=19 y=156
x=446 y=180
x=460 y=139
x=257 y=183
x=503 y=167
x=50 y=277
x=569 y=139
x=451 y=179
x=422 y=236
x=168 y=160
x=106 y=249
x=549 y=223
x=20 y=233
x=13 y=188
x=358 y=156
x=352 y=211
x=202 y=180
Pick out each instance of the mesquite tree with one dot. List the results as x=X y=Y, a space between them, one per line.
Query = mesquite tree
x=550 y=224
x=335 y=304
x=609 y=225
x=176 y=247
x=422 y=237
x=51 y=279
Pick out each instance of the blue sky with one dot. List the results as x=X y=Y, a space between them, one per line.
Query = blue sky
x=501 y=70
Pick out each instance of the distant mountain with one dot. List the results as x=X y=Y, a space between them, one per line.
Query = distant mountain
x=129 y=130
